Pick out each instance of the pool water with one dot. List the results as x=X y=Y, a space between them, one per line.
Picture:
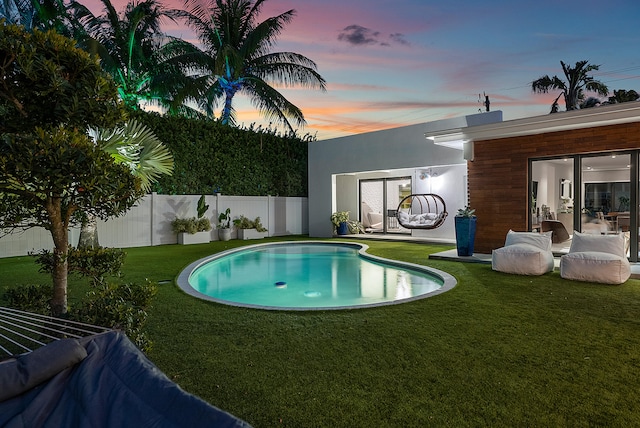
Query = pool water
x=309 y=276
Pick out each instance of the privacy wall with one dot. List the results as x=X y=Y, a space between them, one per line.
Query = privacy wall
x=149 y=222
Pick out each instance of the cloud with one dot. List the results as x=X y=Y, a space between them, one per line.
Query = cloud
x=358 y=35
x=399 y=39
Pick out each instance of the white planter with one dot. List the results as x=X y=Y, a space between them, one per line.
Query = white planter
x=250 y=234
x=224 y=234
x=194 y=238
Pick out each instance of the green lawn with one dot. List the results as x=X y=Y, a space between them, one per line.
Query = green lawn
x=497 y=350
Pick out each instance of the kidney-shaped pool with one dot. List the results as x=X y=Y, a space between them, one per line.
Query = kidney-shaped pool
x=305 y=275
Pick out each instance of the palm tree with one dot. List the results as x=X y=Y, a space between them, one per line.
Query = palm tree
x=236 y=58
x=130 y=46
x=136 y=146
x=623 y=96
x=578 y=81
x=40 y=14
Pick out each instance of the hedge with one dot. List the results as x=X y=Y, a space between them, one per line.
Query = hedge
x=214 y=158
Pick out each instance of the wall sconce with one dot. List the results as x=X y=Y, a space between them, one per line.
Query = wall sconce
x=428 y=174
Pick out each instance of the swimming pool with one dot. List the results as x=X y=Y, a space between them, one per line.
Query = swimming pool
x=308 y=275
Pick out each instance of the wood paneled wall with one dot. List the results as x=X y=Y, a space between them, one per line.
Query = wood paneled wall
x=498 y=175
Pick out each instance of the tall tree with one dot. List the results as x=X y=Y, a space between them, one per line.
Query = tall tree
x=130 y=45
x=236 y=57
x=623 y=96
x=41 y=14
x=578 y=81
x=50 y=93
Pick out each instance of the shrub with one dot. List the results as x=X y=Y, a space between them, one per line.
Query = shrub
x=31 y=298
x=243 y=222
x=88 y=262
x=210 y=157
x=119 y=306
x=191 y=225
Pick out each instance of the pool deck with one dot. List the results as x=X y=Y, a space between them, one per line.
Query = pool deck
x=452 y=255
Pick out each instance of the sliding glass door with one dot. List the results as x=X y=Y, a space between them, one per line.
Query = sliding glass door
x=592 y=194
x=379 y=199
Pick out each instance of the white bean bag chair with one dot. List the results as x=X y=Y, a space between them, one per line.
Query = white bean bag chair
x=596 y=258
x=524 y=253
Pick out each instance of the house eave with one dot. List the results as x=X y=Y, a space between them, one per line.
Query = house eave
x=578 y=119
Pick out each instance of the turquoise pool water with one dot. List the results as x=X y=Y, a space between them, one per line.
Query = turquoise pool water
x=309 y=275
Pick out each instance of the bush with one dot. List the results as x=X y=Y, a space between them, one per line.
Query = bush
x=191 y=225
x=91 y=263
x=210 y=157
x=31 y=298
x=119 y=306
x=243 y=222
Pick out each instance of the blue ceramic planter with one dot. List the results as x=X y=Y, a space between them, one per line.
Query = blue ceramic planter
x=465 y=235
x=343 y=229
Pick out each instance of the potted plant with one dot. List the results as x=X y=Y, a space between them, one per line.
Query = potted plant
x=465 y=222
x=194 y=230
x=340 y=220
x=249 y=229
x=224 y=225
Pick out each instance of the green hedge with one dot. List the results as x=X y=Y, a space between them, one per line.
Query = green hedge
x=215 y=158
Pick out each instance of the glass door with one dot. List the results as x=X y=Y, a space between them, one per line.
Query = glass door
x=606 y=200
x=397 y=190
x=379 y=200
x=552 y=193
x=372 y=205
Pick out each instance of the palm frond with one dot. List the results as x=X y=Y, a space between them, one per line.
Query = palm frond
x=136 y=146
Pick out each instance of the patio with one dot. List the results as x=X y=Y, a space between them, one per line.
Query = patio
x=452 y=255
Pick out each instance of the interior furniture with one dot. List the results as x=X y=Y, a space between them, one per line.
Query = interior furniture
x=559 y=232
x=596 y=258
x=371 y=221
x=567 y=220
x=624 y=221
x=422 y=211
x=392 y=219
x=524 y=253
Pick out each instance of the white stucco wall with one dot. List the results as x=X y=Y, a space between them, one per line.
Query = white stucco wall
x=403 y=148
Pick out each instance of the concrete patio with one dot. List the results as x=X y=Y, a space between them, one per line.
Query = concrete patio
x=452 y=255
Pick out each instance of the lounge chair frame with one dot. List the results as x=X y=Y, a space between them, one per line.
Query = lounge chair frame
x=422 y=203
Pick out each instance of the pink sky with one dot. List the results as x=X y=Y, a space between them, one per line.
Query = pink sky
x=390 y=64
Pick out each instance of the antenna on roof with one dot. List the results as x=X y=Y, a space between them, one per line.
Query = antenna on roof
x=486 y=103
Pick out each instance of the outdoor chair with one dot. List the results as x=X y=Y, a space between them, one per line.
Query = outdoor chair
x=524 y=253
x=596 y=258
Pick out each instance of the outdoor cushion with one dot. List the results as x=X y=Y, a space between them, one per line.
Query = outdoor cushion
x=31 y=369
x=612 y=244
x=522 y=259
x=540 y=240
x=424 y=219
x=595 y=266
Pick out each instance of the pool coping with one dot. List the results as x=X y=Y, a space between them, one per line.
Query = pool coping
x=448 y=280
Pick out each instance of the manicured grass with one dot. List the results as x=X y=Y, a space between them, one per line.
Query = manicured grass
x=497 y=350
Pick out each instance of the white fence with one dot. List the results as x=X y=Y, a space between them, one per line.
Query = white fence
x=149 y=223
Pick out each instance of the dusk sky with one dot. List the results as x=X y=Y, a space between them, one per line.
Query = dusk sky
x=395 y=63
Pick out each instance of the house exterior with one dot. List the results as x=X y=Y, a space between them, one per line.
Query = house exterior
x=579 y=168
x=374 y=170
x=591 y=155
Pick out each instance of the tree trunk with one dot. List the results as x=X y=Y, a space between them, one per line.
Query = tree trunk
x=60 y=234
x=89 y=233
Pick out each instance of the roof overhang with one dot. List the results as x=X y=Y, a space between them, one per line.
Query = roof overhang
x=578 y=119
